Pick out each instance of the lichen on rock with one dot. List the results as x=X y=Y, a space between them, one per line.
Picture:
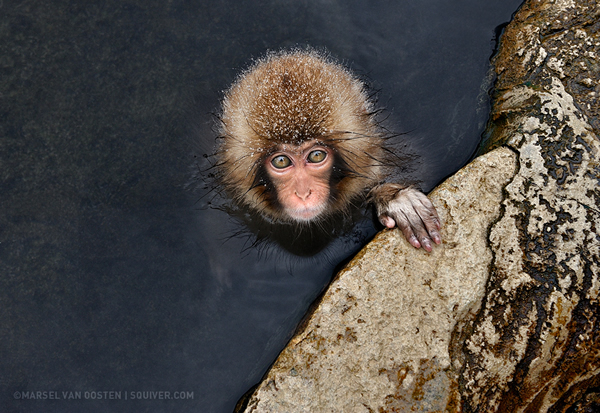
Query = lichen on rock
x=541 y=309
x=535 y=346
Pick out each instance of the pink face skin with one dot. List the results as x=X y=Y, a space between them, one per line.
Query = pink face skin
x=301 y=178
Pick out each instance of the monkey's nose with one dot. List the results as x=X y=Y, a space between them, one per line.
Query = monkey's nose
x=304 y=194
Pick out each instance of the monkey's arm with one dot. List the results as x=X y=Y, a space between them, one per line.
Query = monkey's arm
x=410 y=210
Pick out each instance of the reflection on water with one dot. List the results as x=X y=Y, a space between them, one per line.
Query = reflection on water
x=113 y=277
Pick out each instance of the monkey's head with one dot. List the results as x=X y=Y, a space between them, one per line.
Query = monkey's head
x=298 y=138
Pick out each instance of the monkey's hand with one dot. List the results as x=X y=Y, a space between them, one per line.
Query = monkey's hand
x=411 y=211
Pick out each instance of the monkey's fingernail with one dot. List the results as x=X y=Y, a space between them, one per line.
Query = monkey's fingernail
x=415 y=242
x=427 y=245
x=437 y=239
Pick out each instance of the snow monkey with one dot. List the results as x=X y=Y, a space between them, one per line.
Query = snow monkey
x=299 y=144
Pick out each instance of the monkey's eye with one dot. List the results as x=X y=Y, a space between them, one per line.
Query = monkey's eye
x=281 y=161
x=317 y=156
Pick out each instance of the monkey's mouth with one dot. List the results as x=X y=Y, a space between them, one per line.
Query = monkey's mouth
x=306 y=213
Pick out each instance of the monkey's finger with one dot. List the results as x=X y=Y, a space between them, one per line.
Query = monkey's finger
x=430 y=218
x=404 y=224
x=432 y=228
x=419 y=227
x=431 y=222
x=386 y=221
x=427 y=211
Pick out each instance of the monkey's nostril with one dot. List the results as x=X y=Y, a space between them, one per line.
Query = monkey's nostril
x=304 y=194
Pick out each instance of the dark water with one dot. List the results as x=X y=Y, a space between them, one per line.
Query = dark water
x=113 y=276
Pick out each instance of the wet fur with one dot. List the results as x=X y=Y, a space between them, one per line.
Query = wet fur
x=236 y=175
x=291 y=97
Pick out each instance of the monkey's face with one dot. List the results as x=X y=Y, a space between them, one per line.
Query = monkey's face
x=299 y=141
x=300 y=176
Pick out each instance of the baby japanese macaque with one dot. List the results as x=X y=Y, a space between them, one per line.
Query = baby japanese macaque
x=299 y=143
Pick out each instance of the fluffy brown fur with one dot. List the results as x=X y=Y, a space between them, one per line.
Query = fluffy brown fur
x=292 y=97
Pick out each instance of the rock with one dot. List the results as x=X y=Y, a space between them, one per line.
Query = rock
x=557 y=39
x=536 y=344
x=536 y=341
x=504 y=316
